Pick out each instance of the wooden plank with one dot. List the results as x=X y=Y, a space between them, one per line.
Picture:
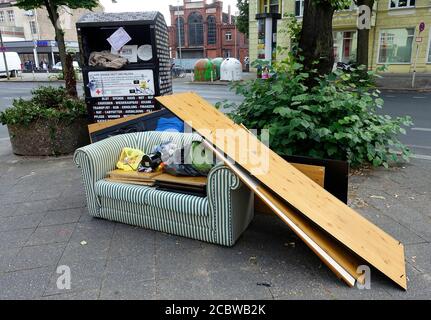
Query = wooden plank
x=315 y=173
x=340 y=260
x=141 y=183
x=344 y=224
x=133 y=175
x=191 y=181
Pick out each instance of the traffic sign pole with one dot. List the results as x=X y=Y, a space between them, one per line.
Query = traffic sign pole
x=4 y=57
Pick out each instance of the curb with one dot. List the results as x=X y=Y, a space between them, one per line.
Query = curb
x=209 y=83
x=38 y=81
x=405 y=89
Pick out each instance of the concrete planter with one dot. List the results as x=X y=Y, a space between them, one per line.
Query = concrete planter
x=48 y=137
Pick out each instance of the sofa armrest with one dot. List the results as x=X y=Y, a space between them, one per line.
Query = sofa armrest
x=231 y=205
x=95 y=160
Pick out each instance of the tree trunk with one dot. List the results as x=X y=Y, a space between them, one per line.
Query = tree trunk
x=67 y=64
x=315 y=41
x=65 y=58
x=363 y=38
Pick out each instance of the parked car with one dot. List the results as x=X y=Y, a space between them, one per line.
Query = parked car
x=59 y=67
x=13 y=64
x=178 y=71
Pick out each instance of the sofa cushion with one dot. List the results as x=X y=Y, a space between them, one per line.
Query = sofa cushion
x=122 y=191
x=177 y=202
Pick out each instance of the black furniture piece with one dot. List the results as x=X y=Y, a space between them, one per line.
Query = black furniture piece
x=112 y=93
x=147 y=122
x=336 y=174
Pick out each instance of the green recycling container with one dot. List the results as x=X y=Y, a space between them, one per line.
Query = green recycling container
x=217 y=62
x=204 y=70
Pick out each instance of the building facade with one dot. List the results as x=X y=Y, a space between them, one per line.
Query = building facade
x=31 y=34
x=205 y=31
x=395 y=38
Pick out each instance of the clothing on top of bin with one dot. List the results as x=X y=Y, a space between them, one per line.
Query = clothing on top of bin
x=106 y=59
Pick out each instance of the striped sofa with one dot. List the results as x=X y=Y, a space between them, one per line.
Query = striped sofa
x=220 y=217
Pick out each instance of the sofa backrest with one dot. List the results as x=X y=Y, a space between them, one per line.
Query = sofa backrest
x=146 y=141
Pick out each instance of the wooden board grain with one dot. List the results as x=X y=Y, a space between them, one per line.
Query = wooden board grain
x=133 y=175
x=315 y=173
x=128 y=181
x=355 y=232
x=191 y=181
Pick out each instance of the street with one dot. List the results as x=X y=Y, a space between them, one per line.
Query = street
x=415 y=104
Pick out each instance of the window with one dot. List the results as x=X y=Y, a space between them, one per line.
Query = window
x=33 y=28
x=402 y=3
x=263 y=6
x=345 y=46
x=274 y=6
x=269 y=6
x=396 y=45
x=212 y=30
x=226 y=54
x=228 y=35
x=179 y=24
x=261 y=39
x=1 y=16
x=196 y=30
x=11 y=15
x=299 y=8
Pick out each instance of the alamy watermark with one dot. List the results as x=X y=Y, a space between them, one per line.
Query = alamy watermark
x=364 y=17
x=64 y=280
x=364 y=271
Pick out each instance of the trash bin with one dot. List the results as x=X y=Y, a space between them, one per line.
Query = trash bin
x=125 y=62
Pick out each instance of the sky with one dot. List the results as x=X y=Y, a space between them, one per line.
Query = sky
x=153 y=5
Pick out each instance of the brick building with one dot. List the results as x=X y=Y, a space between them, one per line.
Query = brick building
x=205 y=31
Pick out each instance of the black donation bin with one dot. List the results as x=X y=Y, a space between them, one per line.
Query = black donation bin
x=125 y=62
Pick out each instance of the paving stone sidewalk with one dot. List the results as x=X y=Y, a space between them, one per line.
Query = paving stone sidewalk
x=44 y=221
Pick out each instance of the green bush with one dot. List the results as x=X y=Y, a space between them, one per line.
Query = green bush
x=47 y=103
x=335 y=119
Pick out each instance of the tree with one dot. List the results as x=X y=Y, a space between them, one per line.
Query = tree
x=242 y=19
x=363 y=37
x=316 y=42
x=53 y=7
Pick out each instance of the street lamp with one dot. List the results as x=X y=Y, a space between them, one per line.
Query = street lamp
x=179 y=31
x=236 y=34
x=3 y=49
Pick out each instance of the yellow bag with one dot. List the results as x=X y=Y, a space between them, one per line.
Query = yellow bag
x=130 y=159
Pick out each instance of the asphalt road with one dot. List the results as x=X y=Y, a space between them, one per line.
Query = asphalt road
x=415 y=104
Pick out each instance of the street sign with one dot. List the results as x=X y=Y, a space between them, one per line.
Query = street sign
x=421 y=26
x=42 y=43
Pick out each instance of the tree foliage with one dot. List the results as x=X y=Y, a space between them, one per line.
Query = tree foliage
x=72 y=4
x=242 y=20
x=338 y=118
x=52 y=7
